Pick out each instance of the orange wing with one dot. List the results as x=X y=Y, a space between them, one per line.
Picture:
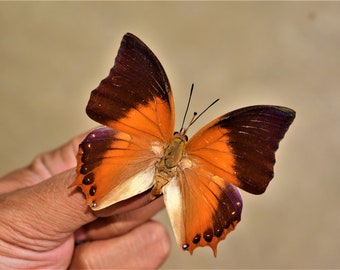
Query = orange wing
x=136 y=97
x=136 y=102
x=240 y=146
x=203 y=208
x=113 y=166
x=236 y=149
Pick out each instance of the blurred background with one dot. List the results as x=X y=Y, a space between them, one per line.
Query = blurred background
x=288 y=53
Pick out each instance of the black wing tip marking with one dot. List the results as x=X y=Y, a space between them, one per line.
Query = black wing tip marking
x=135 y=79
x=254 y=133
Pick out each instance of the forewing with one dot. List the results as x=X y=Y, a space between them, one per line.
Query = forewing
x=240 y=146
x=202 y=207
x=136 y=97
x=113 y=166
x=136 y=102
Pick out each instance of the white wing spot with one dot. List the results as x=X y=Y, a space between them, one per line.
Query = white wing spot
x=185 y=164
x=157 y=149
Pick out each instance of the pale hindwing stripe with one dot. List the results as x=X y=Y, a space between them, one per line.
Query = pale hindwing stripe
x=128 y=188
x=173 y=202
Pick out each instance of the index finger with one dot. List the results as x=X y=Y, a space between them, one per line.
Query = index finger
x=42 y=167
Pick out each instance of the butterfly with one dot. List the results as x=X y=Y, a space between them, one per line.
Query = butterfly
x=137 y=150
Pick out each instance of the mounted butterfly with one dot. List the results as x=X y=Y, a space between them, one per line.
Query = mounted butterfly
x=138 y=150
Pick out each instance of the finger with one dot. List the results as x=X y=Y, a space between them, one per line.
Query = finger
x=56 y=161
x=49 y=207
x=48 y=210
x=104 y=228
x=42 y=167
x=145 y=247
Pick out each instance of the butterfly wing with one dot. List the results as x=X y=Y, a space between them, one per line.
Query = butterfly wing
x=203 y=208
x=136 y=97
x=236 y=149
x=136 y=103
x=240 y=146
x=113 y=166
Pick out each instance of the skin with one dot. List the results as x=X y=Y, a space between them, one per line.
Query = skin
x=41 y=220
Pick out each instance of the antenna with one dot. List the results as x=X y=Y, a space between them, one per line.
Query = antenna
x=188 y=104
x=194 y=119
x=195 y=116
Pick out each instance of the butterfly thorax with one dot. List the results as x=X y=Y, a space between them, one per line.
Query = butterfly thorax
x=167 y=166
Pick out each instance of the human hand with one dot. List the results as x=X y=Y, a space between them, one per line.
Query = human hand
x=41 y=220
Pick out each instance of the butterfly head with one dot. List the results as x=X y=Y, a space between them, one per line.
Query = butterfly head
x=181 y=134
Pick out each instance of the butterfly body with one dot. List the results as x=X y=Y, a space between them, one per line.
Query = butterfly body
x=138 y=151
x=166 y=168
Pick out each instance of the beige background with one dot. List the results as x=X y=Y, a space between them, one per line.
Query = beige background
x=288 y=53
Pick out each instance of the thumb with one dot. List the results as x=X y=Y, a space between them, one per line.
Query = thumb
x=41 y=210
x=44 y=214
x=36 y=201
